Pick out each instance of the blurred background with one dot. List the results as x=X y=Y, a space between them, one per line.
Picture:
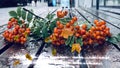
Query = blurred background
x=72 y=3
x=111 y=6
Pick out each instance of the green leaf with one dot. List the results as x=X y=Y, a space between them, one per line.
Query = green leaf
x=23 y=14
x=65 y=20
x=52 y=25
x=72 y=41
x=80 y=41
x=27 y=25
x=44 y=31
x=50 y=16
x=36 y=32
x=68 y=40
x=113 y=40
x=13 y=13
x=118 y=37
x=19 y=22
x=19 y=11
x=29 y=17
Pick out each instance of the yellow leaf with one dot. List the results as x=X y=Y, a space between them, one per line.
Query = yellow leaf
x=16 y=37
x=73 y=48
x=47 y=39
x=16 y=62
x=26 y=34
x=53 y=38
x=28 y=56
x=76 y=47
x=54 y=52
x=66 y=32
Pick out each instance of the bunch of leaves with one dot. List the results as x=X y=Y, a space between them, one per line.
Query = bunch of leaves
x=72 y=39
x=114 y=39
x=42 y=28
x=20 y=14
x=50 y=24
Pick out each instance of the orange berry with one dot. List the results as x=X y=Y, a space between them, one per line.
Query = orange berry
x=61 y=26
x=8 y=26
x=58 y=23
x=77 y=34
x=56 y=34
x=107 y=28
x=84 y=36
x=74 y=18
x=93 y=28
x=59 y=31
x=101 y=33
x=27 y=29
x=7 y=35
x=57 y=43
x=16 y=23
x=28 y=32
x=79 y=31
x=12 y=19
x=16 y=20
x=60 y=14
x=94 y=35
x=97 y=28
x=98 y=24
x=98 y=37
x=77 y=27
x=103 y=26
x=55 y=30
x=83 y=31
x=107 y=32
x=21 y=38
x=97 y=32
x=65 y=13
x=24 y=40
x=72 y=28
x=14 y=31
x=100 y=28
x=90 y=31
x=103 y=22
x=84 y=26
x=51 y=36
x=90 y=41
x=95 y=21
x=71 y=22
x=68 y=25
x=17 y=27
x=10 y=36
x=87 y=34
x=9 y=23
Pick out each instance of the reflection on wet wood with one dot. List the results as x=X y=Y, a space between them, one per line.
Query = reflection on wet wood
x=98 y=55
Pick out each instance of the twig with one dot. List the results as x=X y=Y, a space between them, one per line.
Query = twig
x=33 y=13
